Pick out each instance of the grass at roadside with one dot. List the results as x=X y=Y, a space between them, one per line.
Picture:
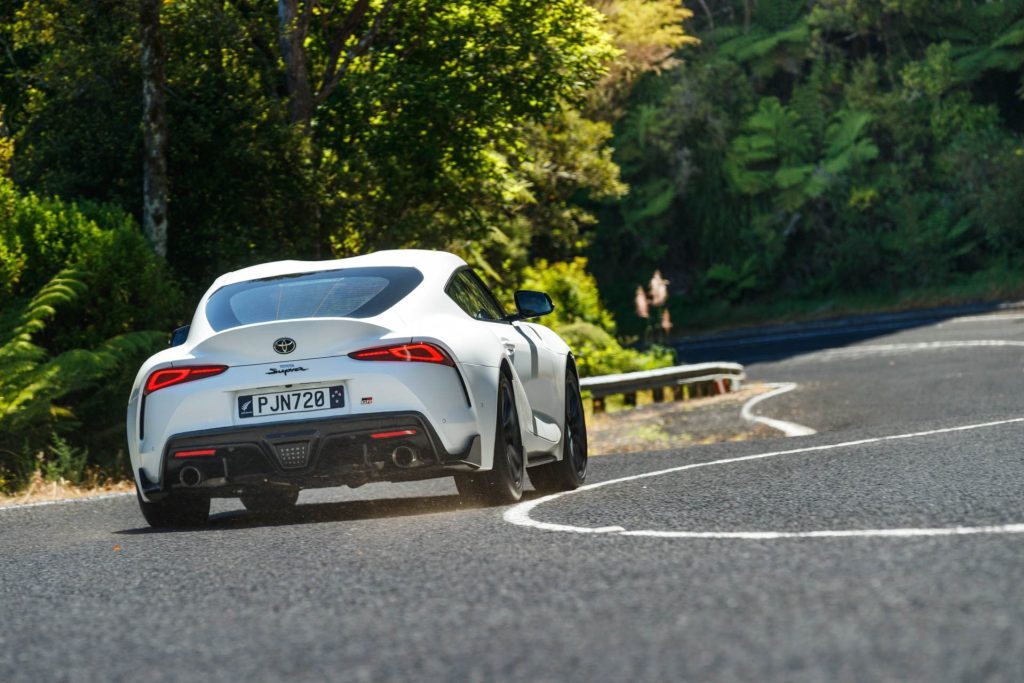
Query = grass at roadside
x=992 y=285
x=40 y=490
x=674 y=424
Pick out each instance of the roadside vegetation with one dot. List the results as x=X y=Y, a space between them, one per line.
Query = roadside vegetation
x=773 y=159
x=817 y=158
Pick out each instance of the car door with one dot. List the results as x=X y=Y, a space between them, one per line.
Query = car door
x=524 y=349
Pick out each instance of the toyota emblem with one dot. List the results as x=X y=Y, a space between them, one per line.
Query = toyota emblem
x=284 y=345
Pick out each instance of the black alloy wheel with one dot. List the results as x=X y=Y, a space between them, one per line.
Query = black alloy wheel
x=504 y=482
x=181 y=510
x=571 y=471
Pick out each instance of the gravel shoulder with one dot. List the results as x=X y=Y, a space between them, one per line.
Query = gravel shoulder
x=676 y=424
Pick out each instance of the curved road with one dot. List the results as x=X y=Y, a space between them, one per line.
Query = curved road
x=888 y=546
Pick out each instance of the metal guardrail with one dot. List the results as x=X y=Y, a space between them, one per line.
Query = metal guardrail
x=685 y=381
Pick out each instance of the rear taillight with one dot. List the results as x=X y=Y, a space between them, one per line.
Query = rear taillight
x=168 y=377
x=419 y=352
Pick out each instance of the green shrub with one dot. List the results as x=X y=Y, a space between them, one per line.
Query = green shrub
x=582 y=320
x=599 y=353
x=573 y=290
x=92 y=261
x=39 y=391
x=129 y=288
x=63 y=462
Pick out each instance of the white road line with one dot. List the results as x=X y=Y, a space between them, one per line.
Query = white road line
x=1000 y=317
x=893 y=325
x=871 y=349
x=787 y=428
x=520 y=514
x=836 y=533
x=64 y=501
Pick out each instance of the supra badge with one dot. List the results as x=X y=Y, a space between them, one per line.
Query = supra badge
x=285 y=370
x=284 y=345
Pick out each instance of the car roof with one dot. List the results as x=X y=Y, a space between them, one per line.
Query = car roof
x=434 y=265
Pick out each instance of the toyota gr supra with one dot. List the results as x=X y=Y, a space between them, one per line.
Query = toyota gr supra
x=393 y=366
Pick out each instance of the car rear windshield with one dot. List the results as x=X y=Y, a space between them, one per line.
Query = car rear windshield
x=345 y=293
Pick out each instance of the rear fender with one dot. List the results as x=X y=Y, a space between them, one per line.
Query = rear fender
x=482 y=381
x=539 y=435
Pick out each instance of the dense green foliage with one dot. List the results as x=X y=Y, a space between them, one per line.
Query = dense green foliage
x=128 y=288
x=800 y=149
x=37 y=387
x=436 y=133
x=807 y=149
x=473 y=126
x=585 y=323
x=70 y=340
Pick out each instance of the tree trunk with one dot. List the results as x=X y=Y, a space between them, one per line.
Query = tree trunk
x=292 y=38
x=708 y=14
x=293 y=29
x=154 y=129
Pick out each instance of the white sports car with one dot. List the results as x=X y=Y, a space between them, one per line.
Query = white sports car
x=393 y=366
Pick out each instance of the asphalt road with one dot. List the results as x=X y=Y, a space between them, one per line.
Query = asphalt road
x=777 y=342
x=842 y=556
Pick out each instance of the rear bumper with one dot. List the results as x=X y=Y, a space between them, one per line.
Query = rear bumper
x=347 y=450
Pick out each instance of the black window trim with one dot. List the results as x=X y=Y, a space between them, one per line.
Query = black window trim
x=479 y=280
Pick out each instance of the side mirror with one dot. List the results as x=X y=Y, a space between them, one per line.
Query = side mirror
x=179 y=336
x=531 y=304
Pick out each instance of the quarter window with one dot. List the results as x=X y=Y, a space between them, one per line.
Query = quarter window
x=472 y=295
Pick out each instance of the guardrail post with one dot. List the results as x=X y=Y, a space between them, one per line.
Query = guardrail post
x=598 y=404
x=658 y=394
x=629 y=399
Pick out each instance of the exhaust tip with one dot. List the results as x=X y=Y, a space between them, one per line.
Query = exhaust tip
x=190 y=477
x=405 y=456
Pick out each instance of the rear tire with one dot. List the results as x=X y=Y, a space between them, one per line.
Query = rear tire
x=571 y=471
x=270 y=501
x=175 y=511
x=504 y=482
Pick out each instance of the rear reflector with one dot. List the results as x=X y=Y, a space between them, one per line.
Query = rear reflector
x=193 y=454
x=168 y=377
x=419 y=352
x=393 y=435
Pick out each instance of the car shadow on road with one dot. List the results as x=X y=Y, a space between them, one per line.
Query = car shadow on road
x=318 y=513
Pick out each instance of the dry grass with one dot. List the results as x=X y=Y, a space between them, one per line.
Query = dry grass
x=674 y=424
x=39 y=490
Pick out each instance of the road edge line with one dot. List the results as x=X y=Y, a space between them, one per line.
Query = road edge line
x=787 y=428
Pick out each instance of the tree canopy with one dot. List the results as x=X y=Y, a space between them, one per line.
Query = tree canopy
x=809 y=149
x=750 y=150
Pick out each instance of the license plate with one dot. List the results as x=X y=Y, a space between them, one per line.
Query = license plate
x=294 y=401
